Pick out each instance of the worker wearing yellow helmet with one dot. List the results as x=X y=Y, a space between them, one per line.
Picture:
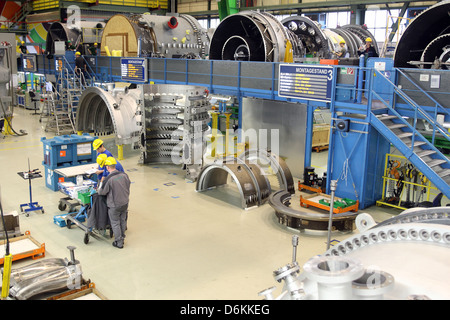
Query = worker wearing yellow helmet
x=98 y=146
x=116 y=188
x=103 y=160
x=367 y=49
x=93 y=50
x=342 y=51
x=22 y=47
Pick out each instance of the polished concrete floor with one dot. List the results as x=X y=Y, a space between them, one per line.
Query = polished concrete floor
x=180 y=244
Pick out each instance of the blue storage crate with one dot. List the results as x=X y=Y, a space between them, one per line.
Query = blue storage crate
x=52 y=178
x=68 y=150
x=60 y=220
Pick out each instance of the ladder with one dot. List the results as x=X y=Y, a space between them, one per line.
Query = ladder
x=61 y=109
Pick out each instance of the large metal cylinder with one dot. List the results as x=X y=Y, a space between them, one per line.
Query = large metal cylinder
x=321 y=43
x=104 y=112
x=252 y=36
x=59 y=31
x=426 y=41
x=178 y=36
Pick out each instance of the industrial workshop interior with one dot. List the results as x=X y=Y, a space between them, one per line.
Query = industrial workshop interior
x=224 y=150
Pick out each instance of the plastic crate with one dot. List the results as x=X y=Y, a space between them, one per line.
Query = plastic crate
x=60 y=220
x=84 y=197
x=68 y=150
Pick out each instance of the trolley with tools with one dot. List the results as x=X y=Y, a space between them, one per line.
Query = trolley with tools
x=85 y=194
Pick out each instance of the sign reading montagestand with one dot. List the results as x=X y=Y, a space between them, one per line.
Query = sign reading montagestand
x=134 y=69
x=308 y=82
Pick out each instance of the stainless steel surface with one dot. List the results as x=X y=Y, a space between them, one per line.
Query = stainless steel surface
x=175 y=122
x=253 y=187
x=110 y=112
x=271 y=164
x=173 y=36
x=277 y=126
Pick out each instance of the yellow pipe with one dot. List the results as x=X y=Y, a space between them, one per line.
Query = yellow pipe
x=120 y=151
x=215 y=118
x=227 y=132
x=7 y=261
x=107 y=51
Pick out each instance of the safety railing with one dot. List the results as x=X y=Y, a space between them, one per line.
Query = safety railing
x=419 y=112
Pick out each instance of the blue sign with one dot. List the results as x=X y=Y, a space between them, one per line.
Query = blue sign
x=305 y=82
x=133 y=69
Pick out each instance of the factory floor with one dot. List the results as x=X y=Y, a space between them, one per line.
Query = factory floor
x=180 y=245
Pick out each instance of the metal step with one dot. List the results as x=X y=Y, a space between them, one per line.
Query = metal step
x=416 y=143
x=425 y=153
x=435 y=162
x=405 y=135
x=396 y=126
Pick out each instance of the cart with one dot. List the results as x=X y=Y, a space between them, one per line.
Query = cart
x=77 y=217
x=79 y=194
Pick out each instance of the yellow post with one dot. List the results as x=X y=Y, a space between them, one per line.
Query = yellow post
x=7 y=261
x=215 y=122
x=227 y=132
x=120 y=152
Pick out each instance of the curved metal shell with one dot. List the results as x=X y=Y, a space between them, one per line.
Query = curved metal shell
x=103 y=112
x=362 y=33
x=312 y=37
x=60 y=32
x=424 y=29
x=249 y=36
x=253 y=187
x=280 y=202
x=276 y=164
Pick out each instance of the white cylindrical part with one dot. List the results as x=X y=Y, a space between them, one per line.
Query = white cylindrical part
x=334 y=276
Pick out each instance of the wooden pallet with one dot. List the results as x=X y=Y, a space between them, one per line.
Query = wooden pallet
x=32 y=248
x=313 y=201
x=320 y=148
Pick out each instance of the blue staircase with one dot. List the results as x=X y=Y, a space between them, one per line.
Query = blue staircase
x=405 y=136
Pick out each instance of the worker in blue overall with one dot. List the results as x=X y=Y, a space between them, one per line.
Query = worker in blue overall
x=101 y=160
x=98 y=146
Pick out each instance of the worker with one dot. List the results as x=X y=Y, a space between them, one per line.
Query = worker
x=116 y=188
x=342 y=50
x=94 y=49
x=70 y=46
x=368 y=49
x=98 y=146
x=101 y=160
x=22 y=47
x=80 y=64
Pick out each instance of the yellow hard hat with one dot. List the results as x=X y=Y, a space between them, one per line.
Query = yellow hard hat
x=22 y=42
x=369 y=39
x=342 y=41
x=95 y=44
x=97 y=143
x=110 y=161
x=101 y=159
x=78 y=53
